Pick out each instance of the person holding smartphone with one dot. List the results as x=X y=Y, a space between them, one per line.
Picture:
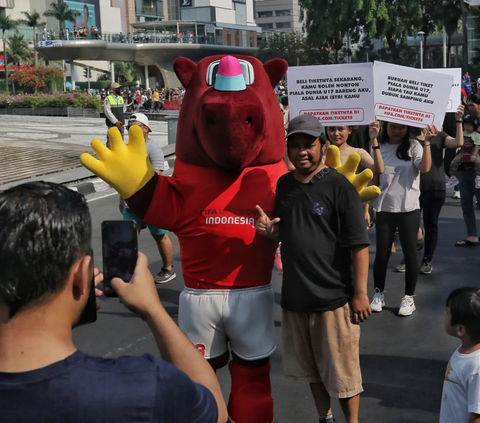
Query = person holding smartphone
x=43 y=377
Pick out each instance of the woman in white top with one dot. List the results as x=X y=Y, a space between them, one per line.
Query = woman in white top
x=399 y=207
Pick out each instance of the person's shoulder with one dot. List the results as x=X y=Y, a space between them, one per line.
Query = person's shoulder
x=340 y=182
x=125 y=364
x=286 y=177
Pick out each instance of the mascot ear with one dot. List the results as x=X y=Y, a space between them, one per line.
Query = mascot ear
x=184 y=69
x=276 y=69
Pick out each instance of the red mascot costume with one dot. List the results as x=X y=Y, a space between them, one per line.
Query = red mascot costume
x=229 y=151
x=230 y=146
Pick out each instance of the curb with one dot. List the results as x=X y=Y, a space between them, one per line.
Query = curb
x=98 y=185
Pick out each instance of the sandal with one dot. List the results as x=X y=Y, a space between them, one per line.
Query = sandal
x=466 y=243
x=421 y=241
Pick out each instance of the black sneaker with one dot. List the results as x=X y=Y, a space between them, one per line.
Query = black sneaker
x=165 y=276
x=426 y=267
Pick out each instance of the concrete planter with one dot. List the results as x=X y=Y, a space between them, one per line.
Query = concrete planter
x=52 y=111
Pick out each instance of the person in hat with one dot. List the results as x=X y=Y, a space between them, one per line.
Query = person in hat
x=323 y=300
x=114 y=108
x=157 y=159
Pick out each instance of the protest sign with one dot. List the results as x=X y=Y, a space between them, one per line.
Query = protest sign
x=456 y=93
x=335 y=94
x=410 y=96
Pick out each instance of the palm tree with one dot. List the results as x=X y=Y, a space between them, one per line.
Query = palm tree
x=127 y=71
x=6 y=24
x=62 y=13
x=33 y=21
x=18 y=50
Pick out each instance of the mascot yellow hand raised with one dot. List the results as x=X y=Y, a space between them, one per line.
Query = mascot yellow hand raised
x=359 y=181
x=125 y=167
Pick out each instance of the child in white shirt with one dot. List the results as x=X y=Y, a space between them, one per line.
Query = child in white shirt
x=461 y=388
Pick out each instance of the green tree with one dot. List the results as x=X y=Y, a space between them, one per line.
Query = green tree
x=32 y=19
x=288 y=46
x=61 y=12
x=396 y=24
x=18 y=50
x=6 y=24
x=127 y=71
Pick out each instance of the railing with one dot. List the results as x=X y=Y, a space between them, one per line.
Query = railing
x=141 y=38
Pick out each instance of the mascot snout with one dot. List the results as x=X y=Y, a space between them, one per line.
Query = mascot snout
x=229 y=131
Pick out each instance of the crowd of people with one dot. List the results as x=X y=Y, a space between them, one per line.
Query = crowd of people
x=148 y=99
x=324 y=285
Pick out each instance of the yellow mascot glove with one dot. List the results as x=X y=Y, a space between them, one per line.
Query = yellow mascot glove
x=348 y=170
x=125 y=167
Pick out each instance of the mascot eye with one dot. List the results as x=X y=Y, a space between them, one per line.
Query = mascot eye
x=248 y=121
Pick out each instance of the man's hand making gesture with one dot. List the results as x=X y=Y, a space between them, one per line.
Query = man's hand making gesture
x=267 y=227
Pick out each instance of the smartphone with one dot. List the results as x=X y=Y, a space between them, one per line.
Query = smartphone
x=89 y=314
x=120 y=250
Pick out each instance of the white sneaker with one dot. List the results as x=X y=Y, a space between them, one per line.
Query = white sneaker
x=456 y=194
x=452 y=182
x=407 y=306
x=378 y=301
x=477 y=182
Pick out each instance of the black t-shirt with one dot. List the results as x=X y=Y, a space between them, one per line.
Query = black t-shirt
x=320 y=222
x=434 y=180
x=83 y=389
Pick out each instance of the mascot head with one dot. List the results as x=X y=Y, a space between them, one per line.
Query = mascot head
x=230 y=117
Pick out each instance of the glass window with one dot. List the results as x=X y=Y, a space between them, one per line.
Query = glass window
x=252 y=38
x=283 y=13
x=284 y=24
x=240 y=13
x=237 y=37
x=229 y=37
x=244 y=38
x=219 y=37
x=265 y=14
x=266 y=26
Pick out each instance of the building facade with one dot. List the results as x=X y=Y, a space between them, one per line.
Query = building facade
x=278 y=15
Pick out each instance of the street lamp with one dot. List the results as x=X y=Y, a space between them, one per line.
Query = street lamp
x=367 y=49
x=421 y=34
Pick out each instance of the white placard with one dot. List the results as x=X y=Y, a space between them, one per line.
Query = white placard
x=410 y=96
x=335 y=94
x=456 y=93
x=50 y=43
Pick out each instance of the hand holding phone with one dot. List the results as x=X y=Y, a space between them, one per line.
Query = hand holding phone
x=120 y=248
x=140 y=295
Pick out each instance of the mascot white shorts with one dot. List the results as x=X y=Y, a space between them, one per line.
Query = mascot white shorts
x=211 y=318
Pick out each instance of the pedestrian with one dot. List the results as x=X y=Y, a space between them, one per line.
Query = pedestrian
x=399 y=207
x=461 y=387
x=156 y=99
x=322 y=299
x=433 y=188
x=164 y=244
x=49 y=226
x=341 y=136
x=467 y=166
x=114 y=108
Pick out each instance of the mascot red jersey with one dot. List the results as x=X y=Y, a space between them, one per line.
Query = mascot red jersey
x=229 y=151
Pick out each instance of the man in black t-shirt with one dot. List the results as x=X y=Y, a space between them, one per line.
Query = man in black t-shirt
x=319 y=221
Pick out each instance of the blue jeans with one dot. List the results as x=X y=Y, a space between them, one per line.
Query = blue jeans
x=467 y=191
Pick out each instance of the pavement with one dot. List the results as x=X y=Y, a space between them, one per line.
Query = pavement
x=50 y=147
x=403 y=359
